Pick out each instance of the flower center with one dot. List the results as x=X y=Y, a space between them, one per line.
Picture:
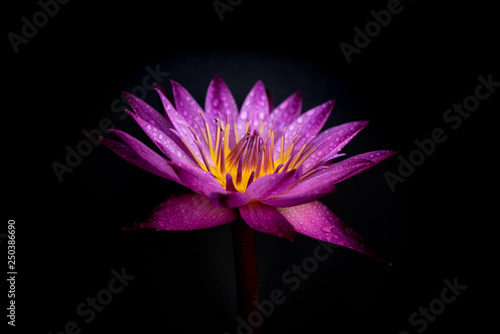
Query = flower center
x=251 y=157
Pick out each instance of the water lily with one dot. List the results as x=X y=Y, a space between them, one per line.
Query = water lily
x=269 y=166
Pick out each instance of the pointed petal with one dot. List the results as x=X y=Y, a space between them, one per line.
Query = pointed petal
x=142 y=157
x=352 y=166
x=198 y=180
x=181 y=125
x=164 y=143
x=272 y=185
x=285 y=113
x=331 y=141
x=185 y=103
x=267 y=220
x=155 y=160
x=304 y=192
x=148 y=113
x=230 y=200
x=219 y=101
x=315 y=220
x=186 y=212
x=255 y=108
x=309 y=124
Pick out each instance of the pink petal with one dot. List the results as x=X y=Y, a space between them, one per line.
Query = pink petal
x=304 y=192
x=331 y=141
x=197 y=179
x=186 y=212
x=308 y=124
x=164 y=143
x=267 y=219
x=185 y=103
x=315 y=220
x=284 y=114
x=219 y=101
x=141 y=156
x=352 y=166
x=255 y=108
x=148 y=113
x=148 y=155
x=271 y=185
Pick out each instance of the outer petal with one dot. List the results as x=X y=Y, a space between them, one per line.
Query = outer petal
x=315 y=220
x=285 y=113
x=164 y=143
x=142 y=157
x=186 y=104
x=148 y=113
x=331 y=141
x=186 y=212
x=255 y=108
x=271 y=185
x=155 y=160
x=219 y=101
x=303 y=192
x=308 y=124
x=267 y=219
x=352 y=166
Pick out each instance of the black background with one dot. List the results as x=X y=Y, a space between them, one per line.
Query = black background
x=437 y=225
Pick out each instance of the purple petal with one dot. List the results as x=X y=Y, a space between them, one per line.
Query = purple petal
x=229 y=200
x=198 y=180
x=164 y=143
x=304 y=192
x=148 y=113
x=352 y=166
x=285 y=113
x=315 y=220
x=186 y=212
x=309 y=124
x=185 y=103
x=271 y=185
x=331 y=141
x=141 y=156
x=255 y=108
x=267 y=219
x=219 y=101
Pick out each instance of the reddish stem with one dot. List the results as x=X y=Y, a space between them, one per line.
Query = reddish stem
x=245 y=256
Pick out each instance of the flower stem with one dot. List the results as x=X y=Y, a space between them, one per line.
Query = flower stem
x=245 y=256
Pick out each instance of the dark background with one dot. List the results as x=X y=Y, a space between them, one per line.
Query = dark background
x=439 y=224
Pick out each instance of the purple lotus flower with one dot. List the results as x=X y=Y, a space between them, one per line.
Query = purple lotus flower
x=269 y=166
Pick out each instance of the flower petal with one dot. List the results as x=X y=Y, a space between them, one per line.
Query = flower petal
x=219 y=101
x=304 y=192
x=164 y=142
x=197 y=179
x=185 y=103
x=186 y=212
x=255 y=108
x=308 y=124
x=148 y=113
x=271 y=185
x=267 y=219
x=141 y=156
x=285 y=113
x=155 y=160
x=315 y=220
x=331 y=141
x=352 y=166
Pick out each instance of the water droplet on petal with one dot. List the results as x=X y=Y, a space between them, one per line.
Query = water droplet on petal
x=326 y=229
x=215 y=102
